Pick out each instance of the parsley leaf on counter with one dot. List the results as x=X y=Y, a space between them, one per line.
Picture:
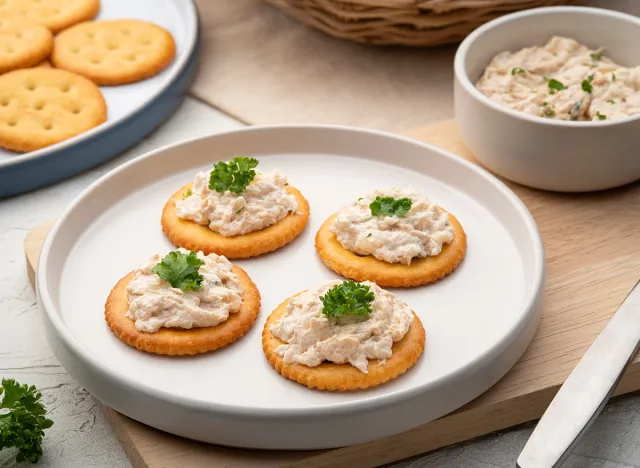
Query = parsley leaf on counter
x=348 y=298
x=554 y=85
x=180 y=270
x=22 y=420
x=586 y=84
x=234 y=175
x=601 y=116
x=389 y=206
x=518 y=70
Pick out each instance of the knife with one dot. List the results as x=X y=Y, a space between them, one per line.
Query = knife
x=586 y=391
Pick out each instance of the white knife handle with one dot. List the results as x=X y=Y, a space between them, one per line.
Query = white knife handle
x=586 y=391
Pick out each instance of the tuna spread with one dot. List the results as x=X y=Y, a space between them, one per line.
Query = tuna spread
x=312 y=337
x=264 y=202
x=562 y=80
x=421 y=232
x=154 y=303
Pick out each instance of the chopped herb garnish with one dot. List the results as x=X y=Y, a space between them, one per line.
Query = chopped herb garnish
x=597 y=55
x=369 y=235
x=549 y=112
x=554 y=85
x=389 y=206
x=611 y=101
x=234 y=175
x=601 y=116
x=586 y=84
x=187 y=194
x=22 y=420
x=359 y=198
x=545 y=103
x=180 y=270
x=518 y=70
x=240 y=210
x=613 y=77
x=347 y=298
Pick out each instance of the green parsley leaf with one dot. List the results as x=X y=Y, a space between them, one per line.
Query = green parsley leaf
x=601 y=116
x=549 y=112
x=611 y=101
x=369 y=235
x=597 y=55
x=613 y=77
x=180 y=270
x=389 y=206
x=187 y=194
x=518 y=70
x=359 y=198
x=22 y=420
x=586 y=84
x=234 y=175
x=240 y=210
x=545 y=103
x=554 y=85
x=348 y=298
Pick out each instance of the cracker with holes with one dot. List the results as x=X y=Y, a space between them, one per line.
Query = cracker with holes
x=56 y=15
x=23 y=43
x=342 y=336
x=183 y=303
x=394 y=237
x=114 y=52
x=43 y=106
x=235 y=211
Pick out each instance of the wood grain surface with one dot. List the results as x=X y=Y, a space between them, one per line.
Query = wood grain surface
x=592 y=244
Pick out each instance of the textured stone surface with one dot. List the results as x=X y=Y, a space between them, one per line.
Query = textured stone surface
x=82 y=438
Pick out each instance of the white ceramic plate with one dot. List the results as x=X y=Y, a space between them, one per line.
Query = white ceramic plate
x=133 y=109
x=478 y=320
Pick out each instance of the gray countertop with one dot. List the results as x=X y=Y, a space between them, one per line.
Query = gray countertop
x=81 y=436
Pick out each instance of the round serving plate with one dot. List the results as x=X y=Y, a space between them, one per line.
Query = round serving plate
x=478 y=320
x=134 y=110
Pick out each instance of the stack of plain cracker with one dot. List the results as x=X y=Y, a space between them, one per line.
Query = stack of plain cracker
x=53 y=57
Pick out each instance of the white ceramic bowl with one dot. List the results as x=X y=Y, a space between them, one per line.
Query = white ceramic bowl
x=545 y=153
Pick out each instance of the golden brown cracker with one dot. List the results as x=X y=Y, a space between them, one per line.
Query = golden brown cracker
x=345 y=377
x=175 y=341
x=56 y=15
x=397 y=275
x=114 y=52
x=43 y=106
x=23 y=43
x=193 y=236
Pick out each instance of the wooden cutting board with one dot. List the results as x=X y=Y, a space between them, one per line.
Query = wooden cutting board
x=592 y=244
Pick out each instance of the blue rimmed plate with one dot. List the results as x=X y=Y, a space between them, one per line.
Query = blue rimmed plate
x=134 y=110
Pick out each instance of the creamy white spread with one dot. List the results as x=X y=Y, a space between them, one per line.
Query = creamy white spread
x=521 y=81
x=264 y=202
x=154 y=303
x=420 y=233
x=311 y=337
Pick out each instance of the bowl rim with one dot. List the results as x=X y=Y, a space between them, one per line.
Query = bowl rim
x=463 y=79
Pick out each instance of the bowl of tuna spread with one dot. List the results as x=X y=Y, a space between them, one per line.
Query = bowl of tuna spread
x=550 y=97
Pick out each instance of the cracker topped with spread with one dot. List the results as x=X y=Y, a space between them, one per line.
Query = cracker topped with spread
x=343 y=335
x=183 y=303
x=236 y=211
x=394 y=237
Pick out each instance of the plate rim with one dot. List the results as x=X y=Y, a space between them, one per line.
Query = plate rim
x=528 y=312
x=182 y=61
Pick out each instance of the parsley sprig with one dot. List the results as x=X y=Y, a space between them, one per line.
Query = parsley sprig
x=586 y=84
x=234 y=175
x=597 y=55
x=180 y=270
x=554 y=85
x=22 y=420
x=347 y=298
x=389 y=206
x=601 y=116
x=518 y=70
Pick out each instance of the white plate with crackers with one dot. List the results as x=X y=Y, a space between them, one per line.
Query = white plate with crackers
x=478 y=319
x=83 y=80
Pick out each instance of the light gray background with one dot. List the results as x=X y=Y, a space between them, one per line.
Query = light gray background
x=81 y=437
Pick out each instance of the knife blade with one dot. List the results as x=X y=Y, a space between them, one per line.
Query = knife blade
x=586 y=390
